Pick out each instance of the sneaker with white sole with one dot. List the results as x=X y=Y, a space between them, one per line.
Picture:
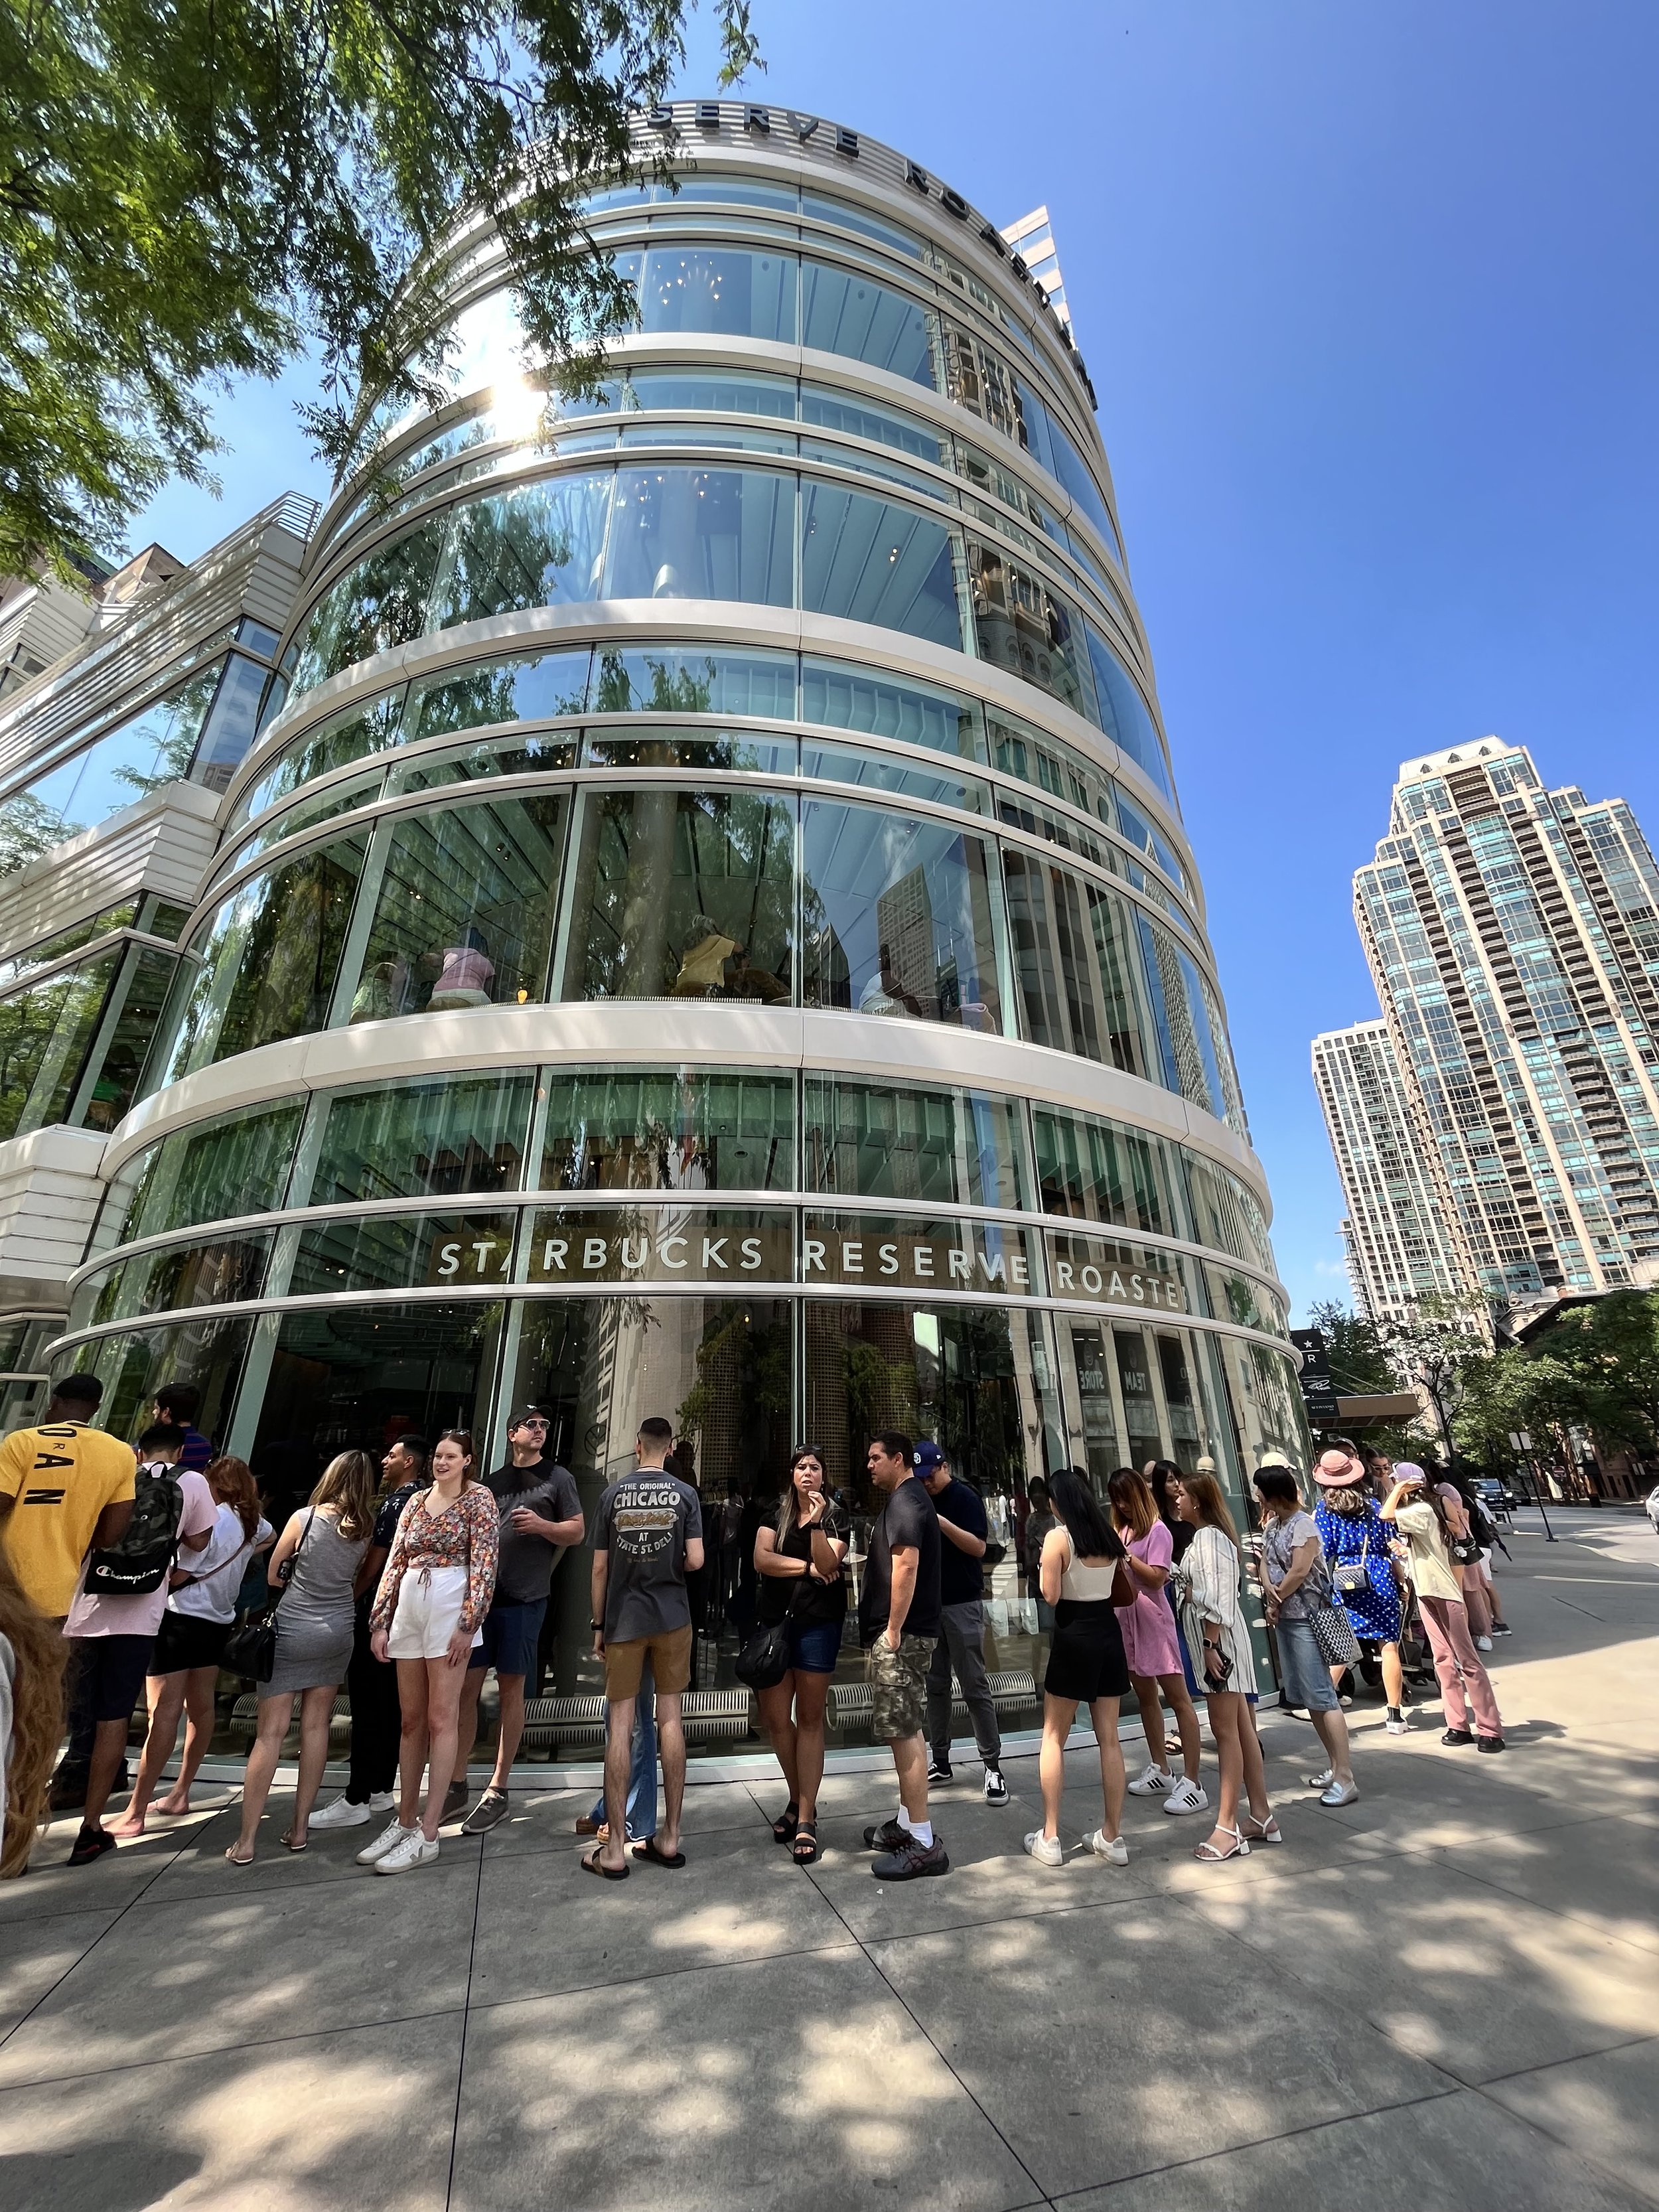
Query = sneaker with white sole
x=1483 y=1643
x=1395 y=1722
x=1186 y=1798
x=343 y=1813
x=1339 y=1793
x=1100 y=1846
x=939 y=1773
x=388 y=1840
x=1152 y=1783
x=996 y=1788
x=1047 y=1851
x=415 y=1849
x=382 y=1801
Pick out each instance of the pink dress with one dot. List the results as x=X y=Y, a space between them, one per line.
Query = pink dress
x=1150 y=1643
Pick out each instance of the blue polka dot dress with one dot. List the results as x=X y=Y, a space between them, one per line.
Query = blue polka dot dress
x=1374 y=1612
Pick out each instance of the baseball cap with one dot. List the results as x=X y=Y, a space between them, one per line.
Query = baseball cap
x=928 y=1458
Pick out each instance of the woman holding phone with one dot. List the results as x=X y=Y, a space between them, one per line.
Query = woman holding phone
x=797 y=1563
x=1213 y=1625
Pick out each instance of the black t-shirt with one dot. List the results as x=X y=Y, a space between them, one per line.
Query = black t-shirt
x=961 y=1580
x=908 y=1520
x=817 y=1601
x=1181 y=1533
x=527 y=1562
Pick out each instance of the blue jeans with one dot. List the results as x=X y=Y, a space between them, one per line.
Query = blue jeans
x=642 y=1814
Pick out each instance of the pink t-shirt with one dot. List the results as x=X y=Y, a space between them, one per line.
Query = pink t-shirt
x=142 y=1616
x=1149 y=1641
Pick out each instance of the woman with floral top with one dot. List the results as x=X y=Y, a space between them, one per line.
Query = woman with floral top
x=434 y=1595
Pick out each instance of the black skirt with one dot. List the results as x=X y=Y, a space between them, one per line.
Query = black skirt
x=1086 y=1658
x=186 y=1640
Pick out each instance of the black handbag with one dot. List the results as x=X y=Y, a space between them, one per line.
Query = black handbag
x=251 y=1650
x=764 y=1660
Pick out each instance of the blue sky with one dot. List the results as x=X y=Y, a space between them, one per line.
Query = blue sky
x=1367 y=293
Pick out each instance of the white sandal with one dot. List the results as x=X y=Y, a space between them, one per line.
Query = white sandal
x=1263 y=1831
x=1208 y=1851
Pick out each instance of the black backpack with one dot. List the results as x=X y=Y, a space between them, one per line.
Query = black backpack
x=140 y=1562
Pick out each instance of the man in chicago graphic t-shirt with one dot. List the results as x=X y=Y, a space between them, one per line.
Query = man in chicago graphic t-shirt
x=647 y=1533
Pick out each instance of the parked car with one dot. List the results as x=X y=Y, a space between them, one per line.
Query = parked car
x=1497 y=1496
x=1653 y=1508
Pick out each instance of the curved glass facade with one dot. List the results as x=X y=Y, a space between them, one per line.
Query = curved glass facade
x=720 y=925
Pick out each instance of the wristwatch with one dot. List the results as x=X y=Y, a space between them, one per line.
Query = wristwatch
x=598 y=1628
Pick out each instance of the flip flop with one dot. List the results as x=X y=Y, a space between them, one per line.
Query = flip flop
x=288 y=1843
x=594 y=1864
x=231 y=1856
x=648 y=1854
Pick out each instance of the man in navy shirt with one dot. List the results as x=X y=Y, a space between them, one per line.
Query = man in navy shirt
x=898 y=1622
x=963 y=1530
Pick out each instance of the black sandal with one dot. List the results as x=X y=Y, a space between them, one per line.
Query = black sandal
x=806 y=1833
x=784 y=1827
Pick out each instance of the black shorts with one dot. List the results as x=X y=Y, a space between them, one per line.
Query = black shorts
x=106 y=1675
x=188 y=1640
x=1085 y=1659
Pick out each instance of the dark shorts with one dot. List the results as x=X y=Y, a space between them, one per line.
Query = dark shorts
x=1086 y=1658
x=107 y=1674
x=186 y=1640
x=511 y=1634
x=815 y=1646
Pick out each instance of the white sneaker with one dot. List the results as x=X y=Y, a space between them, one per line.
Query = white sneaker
x=1152 y=1783
x=1483 y=1643
x=1186 y=1798
x=1048 y=1850
x=1340 y=1793
x=1396 y=1722
x=343 y=1813
x=412 y=1849
x=1103 y=1846
x=382 y=1801
x=388 y=1840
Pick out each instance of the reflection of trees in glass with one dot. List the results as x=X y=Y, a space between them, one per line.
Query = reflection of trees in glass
x=27 y=1023
x=679 y=691
x=238 y=1165
x=737 y=1409
x=174 y=725
x=380 y=603
x=538 y=545
x=669 y=1130
x=270 y=959
x=29 y=827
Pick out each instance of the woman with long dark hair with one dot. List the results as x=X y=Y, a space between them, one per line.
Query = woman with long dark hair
x=428 y=1616
x=797 y=1565
x=1213 y=1625
x=1085 y=1579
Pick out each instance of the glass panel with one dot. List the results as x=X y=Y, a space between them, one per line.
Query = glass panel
x=355 y=1377
x=1228 y=1214
x=844 y=215
x=842 y=311
x=490 y=756
x=888 y=467
x=538 y=545
x=233 y=725
x=1078 y=478
x=859 y=417
x=683 y=895
x=720 y=392
x=132 y=1366
x=423 y=1139
x=669 y=679
x=846 y=696
x=309 y=813
x=1139 y=1406
x=702 y=534
x=380 y=603
x=695 y=1129
x=71 y=940
x=268 y=959
x=1103 y=1454
x=43 y=1038
x=1243 y=1299
x=347 y=737
x=1135 y=825
x=1182 y=1022
x=872 y=561
x=401 y=1252
x=176 y=1276
x=1101 y=1171
x=237 y=1164
x=720 y=289
x=886 y=1140
x=1179 y=1403
x=525 y=688
x=1023 y=625
x=141 y=995
x=653 y=746
x=1077 y=964
x=884 y=772
x=1124 y=714
x=464 y=908
x=897 y=918
x=732 y=191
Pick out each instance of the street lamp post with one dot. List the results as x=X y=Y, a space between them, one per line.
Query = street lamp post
x=1522 y=1442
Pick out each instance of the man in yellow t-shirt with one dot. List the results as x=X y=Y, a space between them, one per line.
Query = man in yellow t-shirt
x=65 y=1488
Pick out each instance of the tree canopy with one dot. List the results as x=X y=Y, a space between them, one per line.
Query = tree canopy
x=195 y=191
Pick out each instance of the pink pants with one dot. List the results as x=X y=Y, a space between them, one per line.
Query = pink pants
x=1475 y=1598
x=1457 y=1663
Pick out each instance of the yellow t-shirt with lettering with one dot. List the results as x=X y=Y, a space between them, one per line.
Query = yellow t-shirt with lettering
x=59 y=1480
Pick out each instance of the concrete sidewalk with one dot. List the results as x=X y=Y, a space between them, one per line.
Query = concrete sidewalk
x=1447 y=1994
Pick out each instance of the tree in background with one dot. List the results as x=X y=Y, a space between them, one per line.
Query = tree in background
x=199 y=192
x=1434 y=1351
x=1355 y=1348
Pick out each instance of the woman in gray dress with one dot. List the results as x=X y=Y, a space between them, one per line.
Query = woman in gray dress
x=316 y=1563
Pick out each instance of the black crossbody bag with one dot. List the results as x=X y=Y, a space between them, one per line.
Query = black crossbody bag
x=251 y=1650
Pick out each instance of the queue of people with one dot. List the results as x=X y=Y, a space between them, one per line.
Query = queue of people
x=408 y=1581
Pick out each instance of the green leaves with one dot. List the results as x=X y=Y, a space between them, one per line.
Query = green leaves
x=192 y=190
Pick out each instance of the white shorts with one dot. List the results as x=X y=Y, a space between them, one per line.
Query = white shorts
x=1483 y=1567
x=429 y=1608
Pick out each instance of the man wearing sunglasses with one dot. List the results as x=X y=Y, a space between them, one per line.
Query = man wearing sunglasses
x=541 y=1517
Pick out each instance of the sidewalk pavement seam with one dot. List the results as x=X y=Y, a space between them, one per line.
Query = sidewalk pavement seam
x=1042 y=2198
x=1576 y=2058
x=467 y=2015
x=1590 y=2163
x=255 y=2043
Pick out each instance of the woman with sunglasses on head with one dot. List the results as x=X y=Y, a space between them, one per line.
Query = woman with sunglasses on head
x=797 y=1563
x=1416 y=1509
x=1085 y=1579
x=1213 y=1625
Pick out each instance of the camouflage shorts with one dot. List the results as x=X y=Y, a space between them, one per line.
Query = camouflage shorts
x=899 y=1678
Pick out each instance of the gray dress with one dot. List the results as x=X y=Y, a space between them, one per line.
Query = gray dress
x=314 y=1619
